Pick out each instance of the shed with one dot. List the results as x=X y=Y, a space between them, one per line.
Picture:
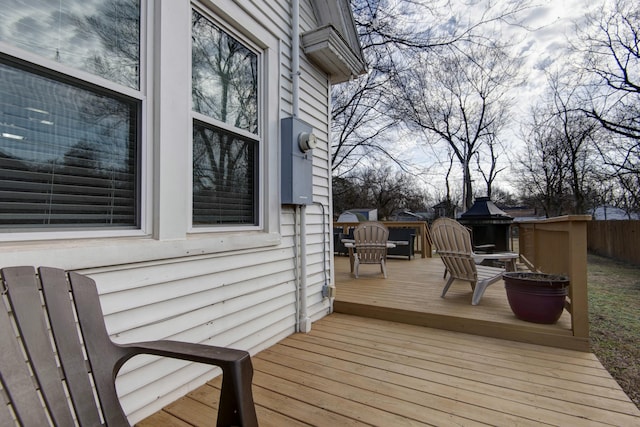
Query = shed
x=348 y=217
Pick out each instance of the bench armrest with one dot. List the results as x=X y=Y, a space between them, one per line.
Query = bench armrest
x=236 y=398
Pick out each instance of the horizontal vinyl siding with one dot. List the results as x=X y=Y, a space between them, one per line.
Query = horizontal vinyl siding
x=318 y=259
x=243 y=299
x=313 y=109
x=240 y=299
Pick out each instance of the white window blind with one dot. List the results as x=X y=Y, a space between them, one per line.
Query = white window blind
x=68 y=153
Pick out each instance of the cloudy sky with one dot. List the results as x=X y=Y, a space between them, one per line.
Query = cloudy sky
x=543 y=45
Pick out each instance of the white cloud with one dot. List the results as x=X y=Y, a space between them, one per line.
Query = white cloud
x=542 y=42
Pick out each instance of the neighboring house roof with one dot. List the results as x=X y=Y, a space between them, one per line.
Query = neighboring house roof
x=522 y=213
x=612 y=213
x=334 y=46
x=409 y=214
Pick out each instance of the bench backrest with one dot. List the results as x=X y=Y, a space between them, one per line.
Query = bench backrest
x=49 y=338
x=55 y=344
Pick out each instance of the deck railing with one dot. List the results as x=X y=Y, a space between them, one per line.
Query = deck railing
x=559 y=246
x=422 y=235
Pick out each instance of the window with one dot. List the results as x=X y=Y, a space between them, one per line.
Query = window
x=226 y=131
x=69 y=147
x=67 y=154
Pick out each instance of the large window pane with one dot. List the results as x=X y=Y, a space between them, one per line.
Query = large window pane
x=98 y=36
x=68 y=154
x=224 y=88
x=224 y=176
x=224 y=76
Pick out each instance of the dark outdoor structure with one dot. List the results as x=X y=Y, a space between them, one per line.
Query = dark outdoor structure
x=489 y=225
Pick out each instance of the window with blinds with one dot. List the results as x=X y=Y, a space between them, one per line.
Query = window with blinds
x=68 y=145
x=224 y=169
x=225 y=128
x=68 y=154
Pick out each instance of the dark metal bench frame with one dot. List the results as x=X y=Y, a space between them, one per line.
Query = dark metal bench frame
x=47 y=370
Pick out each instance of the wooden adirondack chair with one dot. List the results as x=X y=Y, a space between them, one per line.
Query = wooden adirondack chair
x=453 y=243
x=371 y=245
x=37 y=375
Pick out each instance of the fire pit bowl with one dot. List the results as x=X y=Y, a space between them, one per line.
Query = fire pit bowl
x=536 y=297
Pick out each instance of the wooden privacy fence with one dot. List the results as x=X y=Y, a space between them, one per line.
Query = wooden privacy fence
x=559 y=246
x=422 y=233
x=615 y=239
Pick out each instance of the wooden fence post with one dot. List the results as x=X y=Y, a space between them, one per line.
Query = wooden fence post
x=559 y=246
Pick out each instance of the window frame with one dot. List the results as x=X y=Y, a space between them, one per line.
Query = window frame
x=79 y=78
x=165 y=158
x=259 y=137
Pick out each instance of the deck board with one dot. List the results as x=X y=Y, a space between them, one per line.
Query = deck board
x=359 y=371
x=396 y=353
x=411 y=294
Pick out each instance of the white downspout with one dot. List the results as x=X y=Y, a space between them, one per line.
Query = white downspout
x=295 y=56
x=303 y=321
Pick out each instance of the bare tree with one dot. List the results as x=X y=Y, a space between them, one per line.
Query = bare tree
x=558 y=167
x=382 y=188
x=577 y=133
x=504 y=198
x=360 y=122
x=493 y=148
x=392 y=32
x=541 y=170
x=448 y=201
x=610 y=45
x=461 y=98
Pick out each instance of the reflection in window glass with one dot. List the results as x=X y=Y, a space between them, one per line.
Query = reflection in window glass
x=68 y=155
x=224 y=76
x=224 y=171
x=224 y=89
x=98 y=36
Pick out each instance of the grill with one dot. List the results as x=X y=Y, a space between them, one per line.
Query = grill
x=489 y=225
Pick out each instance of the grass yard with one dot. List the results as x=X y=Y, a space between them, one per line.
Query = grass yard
x=614 y=314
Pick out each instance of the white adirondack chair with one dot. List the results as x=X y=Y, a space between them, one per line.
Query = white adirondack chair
x=453 y=243
x=371 y=245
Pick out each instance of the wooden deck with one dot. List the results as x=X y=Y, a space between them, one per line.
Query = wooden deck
x=380 y=365
x=411 y=294
x=352 y=371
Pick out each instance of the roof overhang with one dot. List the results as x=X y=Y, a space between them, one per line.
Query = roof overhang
x=334 y=46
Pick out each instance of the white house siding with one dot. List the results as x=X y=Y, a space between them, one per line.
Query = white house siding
x=240 y=299
x=233 y=288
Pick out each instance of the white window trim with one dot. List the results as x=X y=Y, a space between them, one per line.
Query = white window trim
x=227 y=17
x=144 y=151
x=165 y=160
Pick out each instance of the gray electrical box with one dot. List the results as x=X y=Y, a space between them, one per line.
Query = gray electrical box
x=298 y=142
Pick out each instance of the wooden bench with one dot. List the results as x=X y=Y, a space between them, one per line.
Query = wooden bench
x=46 y=378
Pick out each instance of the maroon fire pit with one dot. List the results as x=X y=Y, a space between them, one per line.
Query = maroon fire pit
x=536 y=297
